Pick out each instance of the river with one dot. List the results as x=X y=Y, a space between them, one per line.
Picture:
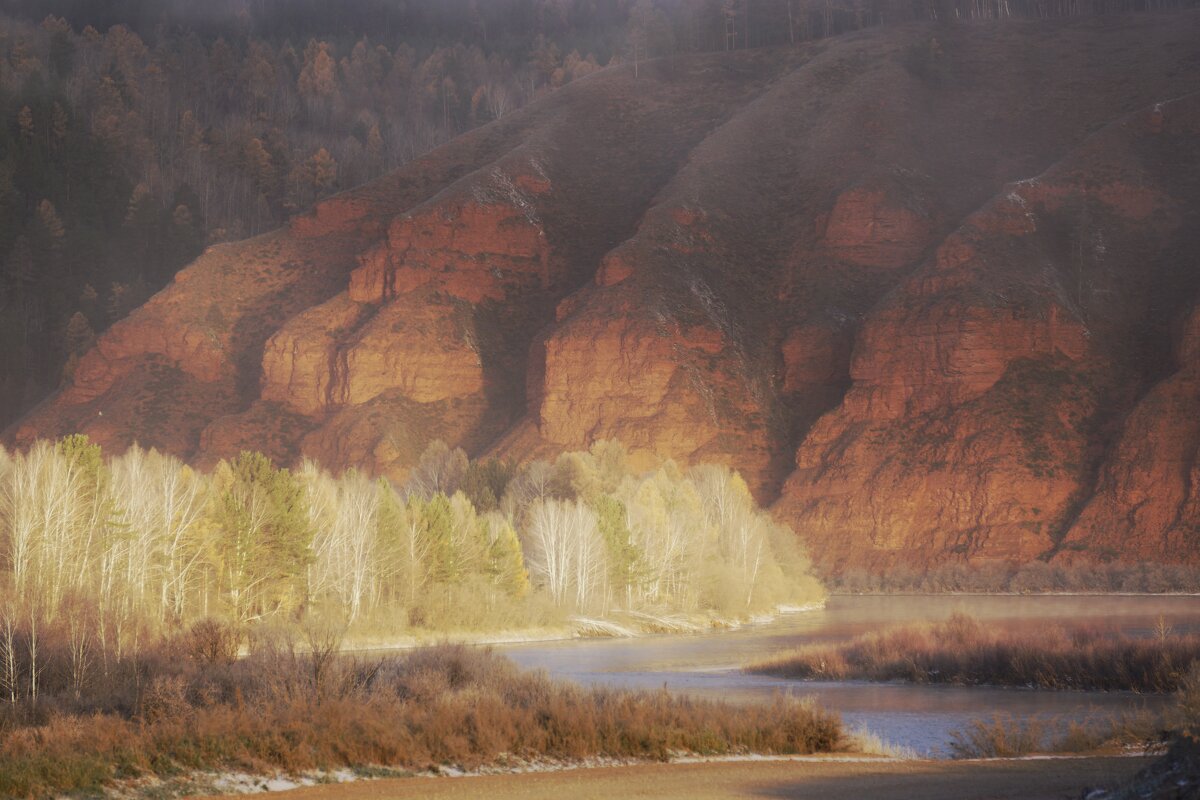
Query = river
x=921 y=718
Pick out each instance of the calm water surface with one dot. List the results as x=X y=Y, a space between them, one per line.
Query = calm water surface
x=919 y=717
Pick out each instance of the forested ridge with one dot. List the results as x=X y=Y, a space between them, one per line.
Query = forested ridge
x=136 y=132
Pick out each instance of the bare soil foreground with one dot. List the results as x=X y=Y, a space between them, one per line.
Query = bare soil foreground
x=1046 y=779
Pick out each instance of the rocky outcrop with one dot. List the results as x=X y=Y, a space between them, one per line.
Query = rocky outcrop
x=301 y=361
x=345 y=353
x=1147 y=501
x=610 y=373
x=985 y=480
x=874 y=226
x=191 y=352
x=426 y=350
x=951 y=352
x=472 y=249
x=984 y=386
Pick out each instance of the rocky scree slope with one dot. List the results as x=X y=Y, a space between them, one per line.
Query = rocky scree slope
x=931 y=289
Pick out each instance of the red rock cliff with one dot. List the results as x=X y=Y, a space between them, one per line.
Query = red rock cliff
x=932 y=318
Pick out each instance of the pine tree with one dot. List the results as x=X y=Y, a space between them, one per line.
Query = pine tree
x=258 y=75
x=546 y=58
x=51 y=225
x=79 y=334
x=257 y=163
x=318 y=78
x=118 y=304
x=375 y=146
x=437 y=533
x=506 y=563
x=618 y=544
x=322 y=172
x=264 y=536
x=140 y=208
x=484 y=483
x=77 y=339
x=89 y=301
x=62 y=46
x=191 y=133
x=25 y=124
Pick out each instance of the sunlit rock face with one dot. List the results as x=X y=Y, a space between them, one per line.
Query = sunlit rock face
x=930 y=320
x=1030 y=390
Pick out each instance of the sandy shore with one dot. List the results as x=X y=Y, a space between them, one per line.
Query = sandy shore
x=1034 y=779
x=624 y=626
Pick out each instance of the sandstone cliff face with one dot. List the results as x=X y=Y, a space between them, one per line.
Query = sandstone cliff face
x=346 y=353
x=653 y=384
x=189 y=351
x=1146 y=503
x=908 y=363
x=985 y=480
x=822 y=266
x=873 y=227
x=984 y=386
x=405 y=320
x=300 y=360
x=426 y=351
x=470 y=248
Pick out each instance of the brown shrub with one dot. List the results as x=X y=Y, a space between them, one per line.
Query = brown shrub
x=1004 y=736
x=212 y=641
x=443 y=705
x=999 y=737
x=960 y=650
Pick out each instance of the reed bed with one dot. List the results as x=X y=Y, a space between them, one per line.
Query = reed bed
x=962 y=650
x=1005 y=736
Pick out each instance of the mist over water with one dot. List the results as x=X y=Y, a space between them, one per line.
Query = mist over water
x=918 y=717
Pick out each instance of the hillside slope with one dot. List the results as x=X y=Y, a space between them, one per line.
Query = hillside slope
x=927 y=287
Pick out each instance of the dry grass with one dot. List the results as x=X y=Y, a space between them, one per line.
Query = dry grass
x=863 y=740
x=963 y=651
x=1005 y=736
x=282 y=709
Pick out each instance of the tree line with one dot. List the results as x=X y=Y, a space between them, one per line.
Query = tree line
x=116 y=549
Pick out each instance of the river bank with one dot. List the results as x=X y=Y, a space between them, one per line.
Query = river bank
x=623 y=625
x=828 y=779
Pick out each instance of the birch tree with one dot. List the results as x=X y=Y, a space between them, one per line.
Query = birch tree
x=154 y=543
x=344 y=540
x=565 y=552
x=668 y=529
x=742 y=537
x=439 y=470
